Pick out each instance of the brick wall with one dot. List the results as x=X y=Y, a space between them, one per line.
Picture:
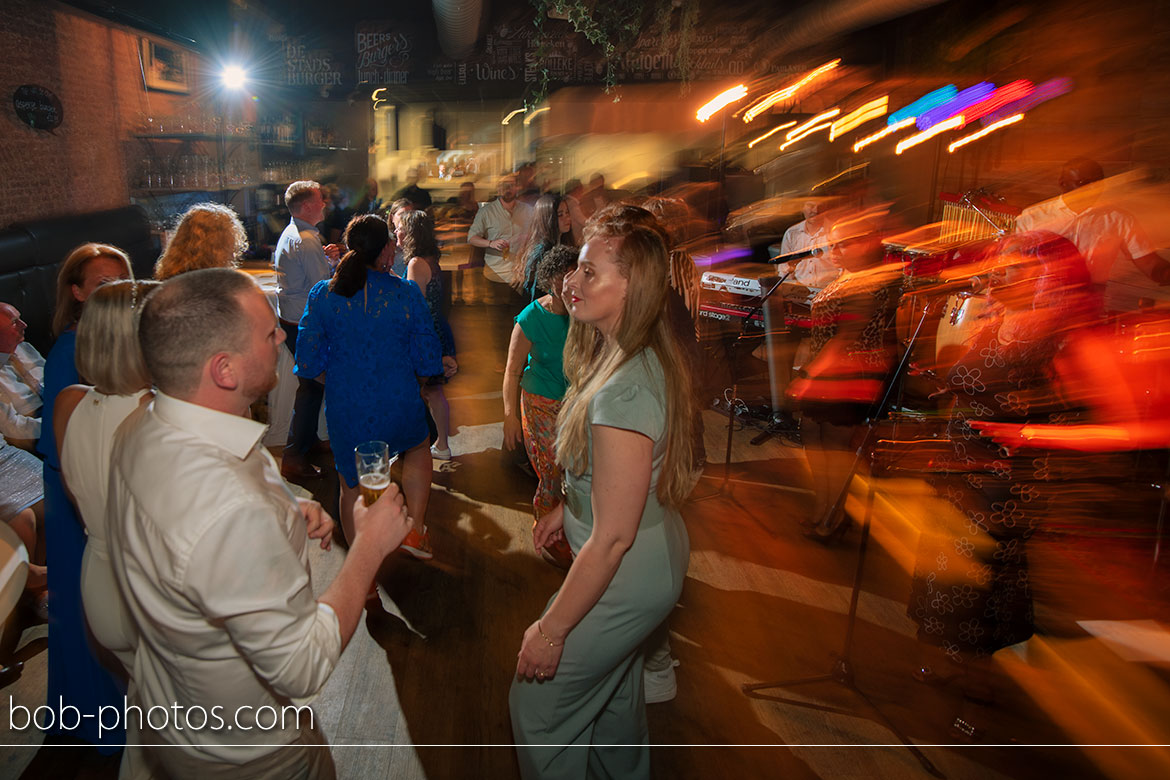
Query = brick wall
x=92 y=66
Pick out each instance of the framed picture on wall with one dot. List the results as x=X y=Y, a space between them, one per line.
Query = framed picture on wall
x=165 y=67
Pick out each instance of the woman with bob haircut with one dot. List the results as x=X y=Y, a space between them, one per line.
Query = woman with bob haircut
x=624 y=440
x=370 y=333
x=74 y=673
x=109 y=357
x=208 y=235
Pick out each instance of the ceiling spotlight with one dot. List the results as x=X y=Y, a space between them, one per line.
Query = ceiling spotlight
x=234 y=77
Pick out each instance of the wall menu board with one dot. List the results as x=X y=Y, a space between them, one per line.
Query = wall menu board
x=384 y=51
x=37 y=107
x=390 y=53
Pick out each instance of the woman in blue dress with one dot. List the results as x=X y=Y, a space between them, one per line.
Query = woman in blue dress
x=624 y=439
x=371 y=334
x=75 y=677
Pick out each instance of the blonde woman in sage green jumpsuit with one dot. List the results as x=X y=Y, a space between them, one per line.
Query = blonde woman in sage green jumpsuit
x=577 y=704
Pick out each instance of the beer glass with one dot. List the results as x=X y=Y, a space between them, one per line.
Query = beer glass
x=373 y=469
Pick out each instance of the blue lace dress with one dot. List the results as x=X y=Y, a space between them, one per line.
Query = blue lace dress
x=372 y=348
x=75 y=676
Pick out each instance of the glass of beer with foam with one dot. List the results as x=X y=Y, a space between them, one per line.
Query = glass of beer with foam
x=373 y=469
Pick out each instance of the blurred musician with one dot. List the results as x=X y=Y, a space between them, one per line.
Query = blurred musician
x=809 y=237
x=971 y=593
x=853 y=350
x=1119 y=255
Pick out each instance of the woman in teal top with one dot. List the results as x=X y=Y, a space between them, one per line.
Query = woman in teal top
x=623 y=439
x=534 y=383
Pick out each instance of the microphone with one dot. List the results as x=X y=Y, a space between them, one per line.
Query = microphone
x=792 y=257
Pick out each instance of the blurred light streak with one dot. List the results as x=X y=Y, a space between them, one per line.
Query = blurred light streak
x=924 y=103
x=722 y=100
x=1011 y=120
x=871 y=110
x=836 y=176
x=766 y=102
x=955 y=106
x=508 y=118
x=800 y=131
x=1043 y=92
x=1008 y=93
x=879 y=135
x=800 y=137
x=925 y=135
x=528 y=119
x=772 y=132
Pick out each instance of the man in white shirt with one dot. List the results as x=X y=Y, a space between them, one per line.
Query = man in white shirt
x=500 y=228
x=301 y=261
x=210 y=549
x=22 y=379
x=810 y=234
x=1115 y=247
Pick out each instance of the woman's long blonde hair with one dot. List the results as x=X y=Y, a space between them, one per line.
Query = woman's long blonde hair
x=590 y=361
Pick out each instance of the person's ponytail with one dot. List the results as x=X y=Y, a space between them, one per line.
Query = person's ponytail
x=366 y=236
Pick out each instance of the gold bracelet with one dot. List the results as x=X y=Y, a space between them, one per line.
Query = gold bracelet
x=544 y=636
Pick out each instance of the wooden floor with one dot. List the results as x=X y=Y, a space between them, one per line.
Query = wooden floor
x=421 y=692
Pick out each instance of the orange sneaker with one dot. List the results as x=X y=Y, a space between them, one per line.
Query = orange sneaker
x=418 y=545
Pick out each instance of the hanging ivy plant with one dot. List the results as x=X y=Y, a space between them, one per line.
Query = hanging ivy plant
x=613 y=26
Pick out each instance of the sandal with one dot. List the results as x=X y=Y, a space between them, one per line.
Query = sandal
x=965 y=731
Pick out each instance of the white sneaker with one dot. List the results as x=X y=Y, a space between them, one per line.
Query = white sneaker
x=440 y=454
x=660 y=686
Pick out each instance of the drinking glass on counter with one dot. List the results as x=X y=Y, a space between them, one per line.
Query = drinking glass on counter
x=373 y=469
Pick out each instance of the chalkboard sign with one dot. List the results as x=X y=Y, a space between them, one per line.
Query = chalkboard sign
x=37 y=107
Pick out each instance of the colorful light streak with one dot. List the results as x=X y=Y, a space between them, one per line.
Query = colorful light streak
x=879 y=135
x=1011 y=120
x=1008 y=93
x=922 y=104
x=720 y=101
x=871 y=110
x=772 y=132
x=766 y=102
x=955 y=106
x=1043 y=92
x=939 y=127
x=809 y=131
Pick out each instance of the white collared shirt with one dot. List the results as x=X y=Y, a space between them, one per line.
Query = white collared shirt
x=815 y=270
x=21 y=388
x=1052 y=215
x=210 y=551
x=493 y=221
x=1108 y=238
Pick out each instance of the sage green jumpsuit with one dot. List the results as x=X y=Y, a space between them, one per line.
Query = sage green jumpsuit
x=589 y=720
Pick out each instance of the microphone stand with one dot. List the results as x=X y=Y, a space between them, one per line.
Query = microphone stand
x=842 y=671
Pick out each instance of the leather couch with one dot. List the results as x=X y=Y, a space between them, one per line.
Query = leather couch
x=31 y=252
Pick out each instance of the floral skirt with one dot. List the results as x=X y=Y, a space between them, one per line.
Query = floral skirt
x=538 y=416
x=971 y=594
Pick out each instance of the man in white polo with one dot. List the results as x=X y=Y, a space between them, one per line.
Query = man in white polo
x=210 y=549
x=500 y=228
